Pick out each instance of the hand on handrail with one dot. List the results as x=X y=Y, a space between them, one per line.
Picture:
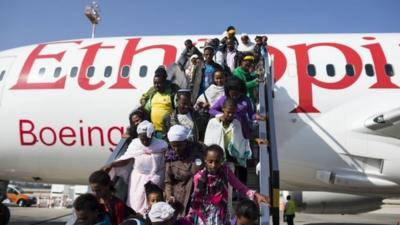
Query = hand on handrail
x=261 y=117
x=261 y=141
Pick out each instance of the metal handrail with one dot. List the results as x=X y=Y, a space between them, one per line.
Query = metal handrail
x=269 y=169
x=119 y=150
x=121 y=188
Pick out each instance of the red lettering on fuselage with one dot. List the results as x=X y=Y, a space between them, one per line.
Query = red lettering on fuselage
x=35 y=55
x=306 y=82
x=280 y=62
x=27 y=132
x=131 y=50
x=378 y=56
x=91 y=52
x=32 y=134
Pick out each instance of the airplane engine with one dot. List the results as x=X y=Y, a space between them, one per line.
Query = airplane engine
x=334 y=203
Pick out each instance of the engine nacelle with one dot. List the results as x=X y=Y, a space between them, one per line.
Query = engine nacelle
x=334 y=203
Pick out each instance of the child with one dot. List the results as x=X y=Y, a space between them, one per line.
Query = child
x=226 y=132
x=88 y=211
x=190 y=67
x=102 y=187
x=236 y=90
x=154 y=194
x=247 y=213
x=212 y=93
x=210 y=196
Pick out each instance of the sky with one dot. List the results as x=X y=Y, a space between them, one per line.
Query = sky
x=24 y=22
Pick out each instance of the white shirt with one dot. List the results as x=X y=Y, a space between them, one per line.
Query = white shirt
x=186 y=120
x=230 y=59
x=246 y=48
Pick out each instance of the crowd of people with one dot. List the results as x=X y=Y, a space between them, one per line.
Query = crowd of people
x=190 y=146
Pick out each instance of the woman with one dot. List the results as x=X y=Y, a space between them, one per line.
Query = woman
x=135 y=118
x=145 y=157
x=183 y=160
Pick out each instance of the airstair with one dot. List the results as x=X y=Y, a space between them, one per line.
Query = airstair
x=121 y=188
x=268 y=156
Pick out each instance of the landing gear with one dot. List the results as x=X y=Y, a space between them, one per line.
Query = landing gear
x=4 y=211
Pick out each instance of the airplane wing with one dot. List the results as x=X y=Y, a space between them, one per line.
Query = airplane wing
x=385 y=124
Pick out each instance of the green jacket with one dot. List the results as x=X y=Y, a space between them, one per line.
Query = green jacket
x=249 y=79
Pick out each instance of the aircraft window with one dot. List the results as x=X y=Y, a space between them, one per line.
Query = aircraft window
x=330 y=69
x=2 y=75
x=143 y=71
x=57 y=72
x=349 y=70
x=125 y=71
x=107 y=71
x=42 y=71
x=389 y=70
x=311 y=70
x=90 y=72
x=74 y=71
x=369 y=69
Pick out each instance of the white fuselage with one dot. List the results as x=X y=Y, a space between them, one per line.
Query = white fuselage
x=61 y=128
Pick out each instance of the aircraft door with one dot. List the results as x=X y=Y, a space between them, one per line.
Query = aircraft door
x=5 y=72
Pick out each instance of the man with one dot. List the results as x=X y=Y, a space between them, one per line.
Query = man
x=203 y=75
x=289 y=212
x=246 y=45
x=227 y=57
x=185 y=115
x=230 y=35
x=260 y=47
x=189 y=50
x=158 y=101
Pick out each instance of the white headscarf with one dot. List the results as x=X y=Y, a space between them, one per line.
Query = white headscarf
x=161 y=212
x=145 y=127
x=178 y=133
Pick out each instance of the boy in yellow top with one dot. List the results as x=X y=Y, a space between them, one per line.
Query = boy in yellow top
x=159 y=101
x=290 y=208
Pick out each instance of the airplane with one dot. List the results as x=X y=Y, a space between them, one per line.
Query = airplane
x=65 y=104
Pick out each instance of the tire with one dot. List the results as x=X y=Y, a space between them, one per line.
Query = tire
x=4 y=214
x=21 y=203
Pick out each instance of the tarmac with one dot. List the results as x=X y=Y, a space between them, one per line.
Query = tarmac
x=388 y=214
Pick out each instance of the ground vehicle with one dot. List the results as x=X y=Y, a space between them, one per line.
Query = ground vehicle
x=16 y=195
